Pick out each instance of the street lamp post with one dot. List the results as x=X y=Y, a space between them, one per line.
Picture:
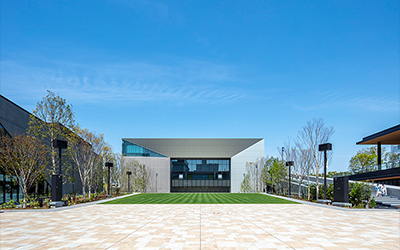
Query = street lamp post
x=56 y=180
x=156 y=183
x=289 y=164
x=256 y=178
x=325 y=147
x=129 y=180
x=109 y=165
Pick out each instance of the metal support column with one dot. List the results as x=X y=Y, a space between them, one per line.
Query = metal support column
x=379 y=156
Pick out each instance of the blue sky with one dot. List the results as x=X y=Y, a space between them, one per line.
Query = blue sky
x=222 y=69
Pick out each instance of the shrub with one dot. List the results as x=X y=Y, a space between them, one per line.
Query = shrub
x=10 y=204
x=360 y=194
x=313 y=192
x=32 y=201
x=372 y=203
x=329 y=191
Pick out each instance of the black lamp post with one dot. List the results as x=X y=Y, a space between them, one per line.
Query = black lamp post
x=109 y=165
x=325 y=147
x=129 y=180
x=256 y=186
x=289 y=164
x=156 y=183
x=56 y=180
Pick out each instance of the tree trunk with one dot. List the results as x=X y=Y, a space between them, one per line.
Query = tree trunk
x=83 y=191
x=300 y=181
x=53 y=158
x=317 y=176
x=24 y=200
x=308 y=187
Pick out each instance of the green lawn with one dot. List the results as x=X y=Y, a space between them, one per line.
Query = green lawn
x=200 y=198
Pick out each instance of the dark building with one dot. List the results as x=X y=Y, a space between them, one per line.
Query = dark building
x=14 y=120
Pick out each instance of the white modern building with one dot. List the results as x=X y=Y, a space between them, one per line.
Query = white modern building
x=193 y=165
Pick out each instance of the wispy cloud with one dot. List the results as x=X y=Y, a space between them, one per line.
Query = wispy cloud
x=343 y=100
x=125 y=83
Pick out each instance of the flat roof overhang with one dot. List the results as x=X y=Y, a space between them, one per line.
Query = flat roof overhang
x=380 y=175
x=390 y=136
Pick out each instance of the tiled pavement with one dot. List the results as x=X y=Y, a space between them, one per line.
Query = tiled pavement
x=289 y=226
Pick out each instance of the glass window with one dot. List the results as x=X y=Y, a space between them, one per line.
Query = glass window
x=200 y=169
x=130 y=149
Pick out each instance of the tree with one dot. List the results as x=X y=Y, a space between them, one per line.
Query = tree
x=139 y=178
x=290 y=154
x=392 y=160
x=245 y=186
x=87 y=150
x=275 y=173
x=360 y=194
x=364 y=160
x=312 y=135
x=24 y=158
x=116 y=171
x=51 y=120
x=304 y=166
x=254 y=170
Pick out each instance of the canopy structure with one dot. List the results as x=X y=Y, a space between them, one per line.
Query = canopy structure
x=390 y=136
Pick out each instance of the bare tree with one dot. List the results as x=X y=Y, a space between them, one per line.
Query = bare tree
x=304 y=166
x=24 y=158
x=116 y=173
x=140 y=175
x=289 y=154
x=313 y=134
x=87 y=150
x=50 y=120
x=253 y=179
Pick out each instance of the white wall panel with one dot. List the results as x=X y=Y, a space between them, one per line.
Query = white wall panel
x=238 y=163
x=155 y=165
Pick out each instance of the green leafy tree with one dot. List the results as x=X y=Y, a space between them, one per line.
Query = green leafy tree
x=392 y=160
x=332 y=174
x=360 y=194
x=266 y=175
x=51 y=120
x=275 y=173
x=245 y=186
x=364 y=160
x=24 y=158
x=329 y=191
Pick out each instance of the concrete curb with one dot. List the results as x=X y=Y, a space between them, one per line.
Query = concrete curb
x=333 y=207
x=65 y=208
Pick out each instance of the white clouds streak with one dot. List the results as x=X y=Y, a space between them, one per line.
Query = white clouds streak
x=339 y=100
x=121 y=84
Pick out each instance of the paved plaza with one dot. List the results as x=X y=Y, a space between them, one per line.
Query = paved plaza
x=273 y=226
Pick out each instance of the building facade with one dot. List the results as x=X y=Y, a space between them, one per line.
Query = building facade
x=193 y=165
x=14 y=120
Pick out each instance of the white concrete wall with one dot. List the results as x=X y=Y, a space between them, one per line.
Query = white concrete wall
x=238 y=163
x=155 y=165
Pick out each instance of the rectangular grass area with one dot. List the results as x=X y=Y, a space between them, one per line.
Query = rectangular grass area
x=200 y=198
